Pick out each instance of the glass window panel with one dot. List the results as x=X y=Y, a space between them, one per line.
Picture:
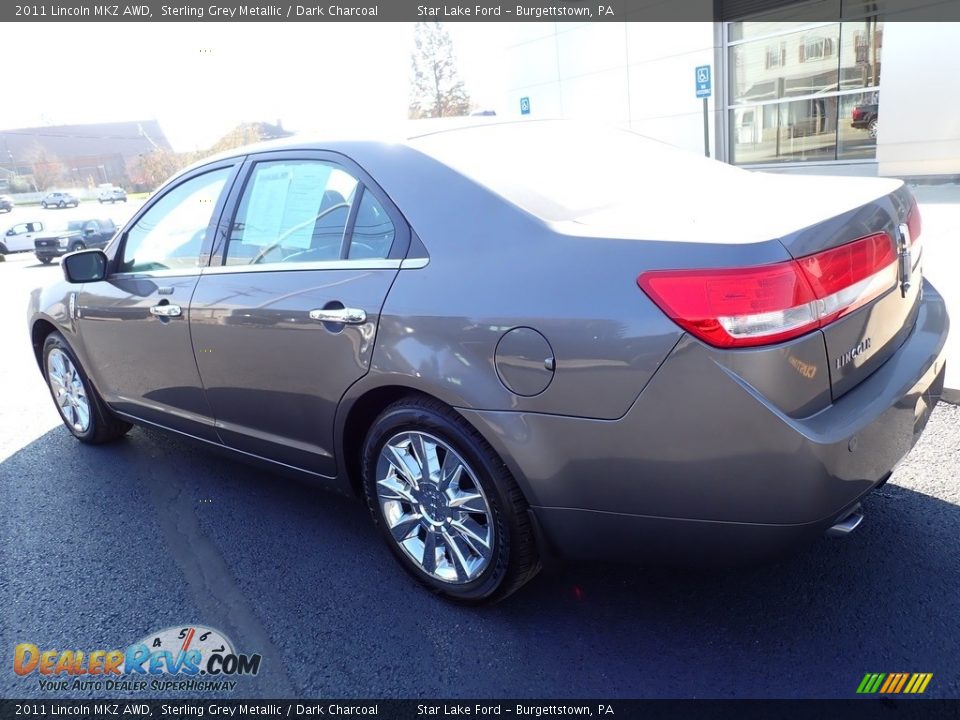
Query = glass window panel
x=857 y=135
x=170 y=234
x=785 y=132
x=860 y=46
x=806 y=62
x=292 y=211
x=373 y=231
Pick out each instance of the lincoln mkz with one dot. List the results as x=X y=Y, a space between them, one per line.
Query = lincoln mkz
x=517 y=341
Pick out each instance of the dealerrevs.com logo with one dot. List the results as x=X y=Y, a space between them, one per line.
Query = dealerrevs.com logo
x=190 y=657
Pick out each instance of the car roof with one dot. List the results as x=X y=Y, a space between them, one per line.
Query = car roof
x=403 y=133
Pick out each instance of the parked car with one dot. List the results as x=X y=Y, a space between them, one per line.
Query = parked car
x=111 y=195
x=19 y=237
x=6 y=203
x=59 y=200
x=76 y=235
x=511 y=342
x=865 y=117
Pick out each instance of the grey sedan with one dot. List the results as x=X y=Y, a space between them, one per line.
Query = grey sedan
x=517 y=340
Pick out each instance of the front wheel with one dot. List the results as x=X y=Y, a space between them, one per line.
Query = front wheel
x=45 y=260
x=43 y=205
x=78 y=246
x=446 y=504
x=80 y=406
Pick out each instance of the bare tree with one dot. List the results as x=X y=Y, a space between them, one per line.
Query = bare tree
x=436 y=87
x=155 y=167
x=47 y=168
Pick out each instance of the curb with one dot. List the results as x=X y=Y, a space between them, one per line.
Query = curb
x=950 y=395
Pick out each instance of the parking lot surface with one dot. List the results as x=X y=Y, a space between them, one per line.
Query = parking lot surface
x=100 y=546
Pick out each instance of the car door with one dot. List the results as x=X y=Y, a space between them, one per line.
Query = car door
x=286 y=322
x=19 y=238
x=135 y=324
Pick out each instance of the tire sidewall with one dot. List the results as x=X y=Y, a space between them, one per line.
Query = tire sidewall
x=56 y=341
x=416 y=418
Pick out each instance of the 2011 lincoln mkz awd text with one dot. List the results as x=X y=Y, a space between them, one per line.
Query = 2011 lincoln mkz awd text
x=515 y=338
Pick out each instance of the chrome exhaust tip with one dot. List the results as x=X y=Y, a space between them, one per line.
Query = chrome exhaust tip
x=850 y=522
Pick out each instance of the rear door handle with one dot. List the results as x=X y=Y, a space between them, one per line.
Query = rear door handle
x=167 y=311
x=350 y=316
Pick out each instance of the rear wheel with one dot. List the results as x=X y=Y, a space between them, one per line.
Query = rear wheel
x=43 y=205
x=81 y=408
x=45 y=260
x=872 y=128
x=446 y=504
x=61 y=204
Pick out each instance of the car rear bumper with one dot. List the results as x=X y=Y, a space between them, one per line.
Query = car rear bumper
x=703 y=462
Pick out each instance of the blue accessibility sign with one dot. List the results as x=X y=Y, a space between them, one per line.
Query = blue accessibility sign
x=704 y=84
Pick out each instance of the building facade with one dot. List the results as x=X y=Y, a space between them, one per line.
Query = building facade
x=859 y=95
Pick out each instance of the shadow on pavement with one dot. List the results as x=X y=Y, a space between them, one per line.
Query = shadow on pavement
x=103 y=545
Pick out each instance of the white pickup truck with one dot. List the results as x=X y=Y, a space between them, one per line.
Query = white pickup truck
x=19 y=237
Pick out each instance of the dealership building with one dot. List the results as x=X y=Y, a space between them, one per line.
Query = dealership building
x=854 y=92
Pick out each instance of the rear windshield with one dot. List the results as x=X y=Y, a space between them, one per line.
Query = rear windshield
x=559 y=170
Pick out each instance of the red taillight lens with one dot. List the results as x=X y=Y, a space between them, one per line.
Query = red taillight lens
x=913 y=222
x=857 y=113
x=771 y=303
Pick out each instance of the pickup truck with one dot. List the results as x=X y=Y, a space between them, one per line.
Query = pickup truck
x=77 y=235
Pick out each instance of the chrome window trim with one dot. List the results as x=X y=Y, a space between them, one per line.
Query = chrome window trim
x=169 y=272
x=371 y=264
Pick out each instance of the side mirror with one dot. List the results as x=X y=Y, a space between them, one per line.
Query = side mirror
x=85 y=266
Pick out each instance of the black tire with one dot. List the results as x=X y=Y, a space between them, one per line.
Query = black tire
x=43 y=205
x=514 y=559
x=872 y=128
x=100 y=200
x=103 y=426
x=45 y=260
x=61 y=204
x=77 y=246
x=3 y=249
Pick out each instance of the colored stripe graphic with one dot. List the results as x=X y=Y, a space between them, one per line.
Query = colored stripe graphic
x=903 y=681
x=894 y=683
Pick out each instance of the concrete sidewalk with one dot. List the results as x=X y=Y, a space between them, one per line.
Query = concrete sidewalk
x=940 y=212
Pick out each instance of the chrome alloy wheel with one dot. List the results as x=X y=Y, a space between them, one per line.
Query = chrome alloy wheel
x=68 y=390
x=434 y=507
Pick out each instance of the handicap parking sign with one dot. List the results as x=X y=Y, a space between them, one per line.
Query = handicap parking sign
x=524 y=106
x=703 y=81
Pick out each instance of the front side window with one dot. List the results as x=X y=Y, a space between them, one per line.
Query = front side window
x=170 y=234
x=292 y=211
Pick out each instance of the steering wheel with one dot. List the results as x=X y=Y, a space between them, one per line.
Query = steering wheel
x=273 y=246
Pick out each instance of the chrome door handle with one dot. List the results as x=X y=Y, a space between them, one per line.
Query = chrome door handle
x=168 y=311
x=350 y=316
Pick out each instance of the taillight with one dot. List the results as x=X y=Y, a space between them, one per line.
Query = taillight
x=857 y=113
x=913 y=222
x=745 y=307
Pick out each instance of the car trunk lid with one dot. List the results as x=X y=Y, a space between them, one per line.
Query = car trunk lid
x=859 y=342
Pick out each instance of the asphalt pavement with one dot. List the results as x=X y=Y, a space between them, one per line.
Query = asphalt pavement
x=100 y=546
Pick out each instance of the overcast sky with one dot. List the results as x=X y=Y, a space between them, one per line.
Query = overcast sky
x=201 y=79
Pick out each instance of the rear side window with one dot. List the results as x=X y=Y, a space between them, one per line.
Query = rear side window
x=170 y=234
x=373 y=231
x=292 y=211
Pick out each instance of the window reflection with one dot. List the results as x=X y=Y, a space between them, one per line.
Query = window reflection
x=794 y=90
